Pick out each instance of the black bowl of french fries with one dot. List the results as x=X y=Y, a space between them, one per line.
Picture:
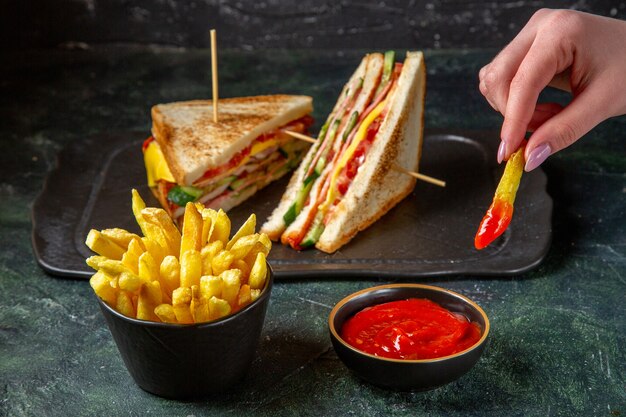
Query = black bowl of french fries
x=186 y=309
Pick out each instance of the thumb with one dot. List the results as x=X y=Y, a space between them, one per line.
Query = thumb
x=584 y=112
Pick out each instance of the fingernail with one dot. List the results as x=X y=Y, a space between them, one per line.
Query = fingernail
x=501 y=151
x=537 y=156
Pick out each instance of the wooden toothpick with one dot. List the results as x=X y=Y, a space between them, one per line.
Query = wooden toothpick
x=396 y=167
x=214 y=73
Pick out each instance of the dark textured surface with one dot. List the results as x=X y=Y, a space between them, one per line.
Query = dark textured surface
x=439 y=222
x=252 y=24
x=557 y=346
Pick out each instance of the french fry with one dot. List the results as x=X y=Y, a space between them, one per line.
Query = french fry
x=192 y=230
x=165 y=312
x=113 y=267
x=128 y=281
x=101 y=284
x=244 y=297
x=232 y=282
x=160 y=219
x=95 y=261
x=148 y=268
x=132 y=254
x=104 y=246
x=208 y=223
x=265 y=240
x=190 y=268
x=149 y=297
x=157 y=251
x=221 y=262
x=120 y=237
x=170 y=274
x=246 y=229
x=258 y=273
x=241 y=265
x=137 y=205
x=211 y=286
x=181 y=300
x=124 y=304
x=208 y=252
x=199 y=306
x=221 y=228
x=254 y=294
x=258 y=247
x=244 y=245
x=218 y=308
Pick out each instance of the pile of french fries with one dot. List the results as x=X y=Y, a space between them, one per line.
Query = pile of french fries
x=198 y=276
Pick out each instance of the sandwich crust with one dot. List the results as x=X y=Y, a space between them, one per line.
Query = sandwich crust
x=192 y=143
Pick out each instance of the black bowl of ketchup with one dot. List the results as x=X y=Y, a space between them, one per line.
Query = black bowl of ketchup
x=408 y=337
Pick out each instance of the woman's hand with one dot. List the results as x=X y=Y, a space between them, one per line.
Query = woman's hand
x=578 y=52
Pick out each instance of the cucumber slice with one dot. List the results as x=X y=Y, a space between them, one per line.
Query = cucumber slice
x=351 y=124
x=290 y=215
x=237 y=184
x=225 y=180
x=390 y=60
x=321 y=162
x=296 y=207
x=315 y=231
x=181 y=195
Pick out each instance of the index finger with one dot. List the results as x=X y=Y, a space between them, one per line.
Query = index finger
x=535 y=72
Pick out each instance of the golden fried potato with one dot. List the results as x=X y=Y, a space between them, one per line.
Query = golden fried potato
x=161 y=220
x=128 y=281
x=221 y=228
x=132 y=254
x=221 y=262
x=192 y=230
x=104 y=246
x=211 y=286
x=199 y=306
x=125 y=304
x=258 y=273
x=170 y=275
x=244 y=297
x=181 y=301
x=246 y=229
x=190 y=268
x=101 y=284
x=208 y=253
x=232 y=283
x=165 y=312
x=148 y=268
x=244 y=245
x=218 y=308
x=149 y=297
x=120 y=237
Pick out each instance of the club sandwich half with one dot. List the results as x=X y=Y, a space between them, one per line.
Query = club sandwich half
x=347 y=181
x=191 y=158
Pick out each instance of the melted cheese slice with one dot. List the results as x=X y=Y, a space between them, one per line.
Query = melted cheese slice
x=347 y=155
x=157 y=169
x=156 y=166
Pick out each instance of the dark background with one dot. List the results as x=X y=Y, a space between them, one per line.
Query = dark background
x=267 y=24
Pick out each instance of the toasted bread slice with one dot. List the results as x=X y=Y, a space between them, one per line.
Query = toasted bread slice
x=369 y=70
x=377 y=187
x=192 y=143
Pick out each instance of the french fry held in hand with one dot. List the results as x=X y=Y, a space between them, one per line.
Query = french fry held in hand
x=500 y=212
x=199 y=275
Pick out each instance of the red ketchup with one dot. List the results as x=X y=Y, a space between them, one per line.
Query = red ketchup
x=410 y=329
